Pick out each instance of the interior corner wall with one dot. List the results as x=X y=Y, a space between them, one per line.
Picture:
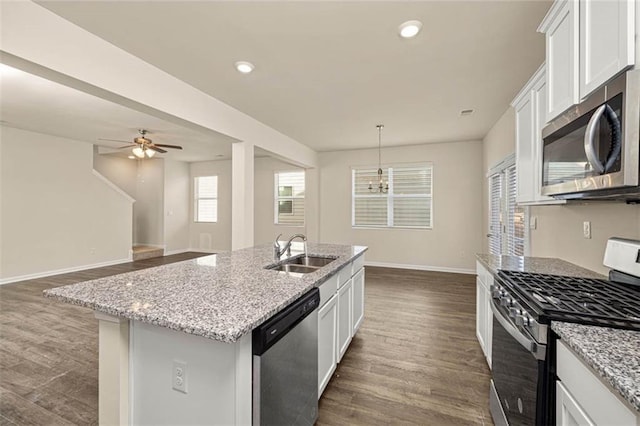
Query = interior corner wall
x=457 y=189
x=265 y=228
x=148 y=211
x=212 y=237
x=176 y=206
x=559 y=227
x=56 y=214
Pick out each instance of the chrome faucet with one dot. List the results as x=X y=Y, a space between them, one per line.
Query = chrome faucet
x=279 y=251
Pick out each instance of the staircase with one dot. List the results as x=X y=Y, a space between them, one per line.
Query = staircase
x=147 y=252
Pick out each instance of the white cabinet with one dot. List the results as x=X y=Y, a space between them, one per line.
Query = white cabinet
x=561 y=35
x=327 y=342
x=588 y=42
x=568 y=412
x=606 y=41
x=345 y=317
x=484 y=315
x=339 y=318
x=529 y=107
x=583 y=398
x=358 y=299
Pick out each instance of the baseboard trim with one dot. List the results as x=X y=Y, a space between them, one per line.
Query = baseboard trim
x=421 y=267
x=172 y=252
x=212 y=251
x=17 y=278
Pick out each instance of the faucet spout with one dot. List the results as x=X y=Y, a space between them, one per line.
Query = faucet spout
x=278 y=251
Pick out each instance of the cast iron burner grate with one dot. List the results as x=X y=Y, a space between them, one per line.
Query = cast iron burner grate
x=580 y=300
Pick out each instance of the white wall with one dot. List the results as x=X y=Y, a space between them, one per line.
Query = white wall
x=212 y=236
x=148 y=208
x=176 y=206
x=559 y=228
x=457 y=179
x=56 y=215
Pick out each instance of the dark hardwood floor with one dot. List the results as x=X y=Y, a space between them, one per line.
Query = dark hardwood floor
x=415 y=359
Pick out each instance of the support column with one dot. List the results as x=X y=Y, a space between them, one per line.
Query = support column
x=242 y=195
x=113 y=370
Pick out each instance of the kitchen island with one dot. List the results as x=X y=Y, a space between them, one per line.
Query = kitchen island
x=200 y=313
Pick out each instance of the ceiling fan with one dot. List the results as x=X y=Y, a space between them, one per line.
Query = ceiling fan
x=143 y=146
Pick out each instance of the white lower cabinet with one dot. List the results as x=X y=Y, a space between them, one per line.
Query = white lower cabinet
x=358 y=299
x=484 y=315
x=339 y=318
x=345 y=317
x=327 y=342
x=583 y=398
x=568 y=412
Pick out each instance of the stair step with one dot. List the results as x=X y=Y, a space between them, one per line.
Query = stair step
x=146 y=252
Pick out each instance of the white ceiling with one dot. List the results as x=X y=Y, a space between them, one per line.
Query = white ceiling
x=328 y=72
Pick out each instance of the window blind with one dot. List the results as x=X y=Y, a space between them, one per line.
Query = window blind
x=289 y=198
x=495 y=228
x=407 y=204
x=515 y=216
x=206 y=199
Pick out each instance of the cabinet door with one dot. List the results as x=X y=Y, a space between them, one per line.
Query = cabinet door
x=358 y=299
x=524 y=149
x=568 y=412
x=327 y=342
x=481 y=315
x=606 y=41
x=345 y=318
x=562 y=58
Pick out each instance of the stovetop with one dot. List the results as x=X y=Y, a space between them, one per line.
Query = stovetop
x=579 y=300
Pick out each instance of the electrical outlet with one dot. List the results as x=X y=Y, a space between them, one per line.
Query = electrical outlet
x=179 y=376
x=586 y=229
x=533 y=222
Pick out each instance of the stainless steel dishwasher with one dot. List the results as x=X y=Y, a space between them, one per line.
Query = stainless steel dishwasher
x=285 y=365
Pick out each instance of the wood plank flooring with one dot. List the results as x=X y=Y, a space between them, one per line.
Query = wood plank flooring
x=414 y=361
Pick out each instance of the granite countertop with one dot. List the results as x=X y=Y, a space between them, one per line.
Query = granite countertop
x=221 y=297
x=538 y=265
x=613 y=353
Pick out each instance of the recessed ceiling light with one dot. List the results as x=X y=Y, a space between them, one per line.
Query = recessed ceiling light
x=410 y=29
x=244 y=67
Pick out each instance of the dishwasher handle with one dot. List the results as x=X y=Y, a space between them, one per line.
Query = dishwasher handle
x=275 y=328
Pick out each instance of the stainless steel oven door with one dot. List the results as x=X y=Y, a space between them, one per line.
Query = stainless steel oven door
x=518 y=373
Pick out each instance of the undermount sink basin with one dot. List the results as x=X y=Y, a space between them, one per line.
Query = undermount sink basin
x=302 y=264
x=314 y=261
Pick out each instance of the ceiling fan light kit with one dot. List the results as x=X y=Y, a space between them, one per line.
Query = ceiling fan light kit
x=144 y=147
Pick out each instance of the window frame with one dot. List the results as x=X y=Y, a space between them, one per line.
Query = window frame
x=288 y=198
x=197 y=198
x=390 y=195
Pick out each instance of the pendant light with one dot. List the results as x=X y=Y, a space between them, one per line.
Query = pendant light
x=382 y=187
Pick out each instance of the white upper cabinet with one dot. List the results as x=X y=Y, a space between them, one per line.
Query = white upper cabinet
x=588 y=42
x=606 y=41
x=530 y=111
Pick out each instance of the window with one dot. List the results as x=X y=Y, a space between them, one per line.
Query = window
x=289 y=200
x=206 y=199
x=407 y=204
x=507 y=231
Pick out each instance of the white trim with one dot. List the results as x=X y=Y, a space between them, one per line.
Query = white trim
x=172 y=252
x=421 y=267
x=155 y=246
x=211 y=251
x=113 y=186
x=62 y=271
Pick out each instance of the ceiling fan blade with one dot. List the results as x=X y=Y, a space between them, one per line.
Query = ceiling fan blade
x=113 y=140
x=156 y=149
x=168 y=146
x=128 y=146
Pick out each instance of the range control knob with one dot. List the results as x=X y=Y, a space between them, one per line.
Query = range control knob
x=514 y=312
x=507 y=301
x=523 y=319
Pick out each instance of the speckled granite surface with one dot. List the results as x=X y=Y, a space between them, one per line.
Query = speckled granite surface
x=539 y=265
x=613 y=353
x=221 y=297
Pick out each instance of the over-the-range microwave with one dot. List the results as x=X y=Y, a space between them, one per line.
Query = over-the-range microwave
x=593 y=149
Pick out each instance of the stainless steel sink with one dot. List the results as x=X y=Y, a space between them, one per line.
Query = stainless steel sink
x=299 y=269
x=314 y=261
x=302 y=264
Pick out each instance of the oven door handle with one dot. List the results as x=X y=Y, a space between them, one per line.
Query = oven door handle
x=537 y=350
